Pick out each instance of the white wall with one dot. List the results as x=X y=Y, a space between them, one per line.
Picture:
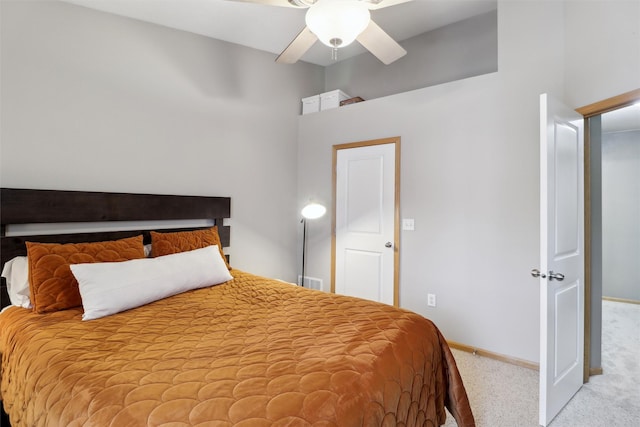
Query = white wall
x=456 y=51
x=602 y=39
x=621 y=215
x=93 y=101
x=470 y=179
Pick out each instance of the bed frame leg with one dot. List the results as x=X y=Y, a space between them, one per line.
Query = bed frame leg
x=4 y=418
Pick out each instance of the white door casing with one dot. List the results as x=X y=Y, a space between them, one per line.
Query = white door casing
x=561 y=256
x=366 y=221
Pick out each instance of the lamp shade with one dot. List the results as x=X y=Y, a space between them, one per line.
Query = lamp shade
x=337 y=23
x=313 y=211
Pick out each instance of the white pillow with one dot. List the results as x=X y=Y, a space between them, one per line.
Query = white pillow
x=16 y=271
x=111 y=287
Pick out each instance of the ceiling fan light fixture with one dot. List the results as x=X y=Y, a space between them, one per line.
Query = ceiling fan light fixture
x=337 y=23
x=301 y=3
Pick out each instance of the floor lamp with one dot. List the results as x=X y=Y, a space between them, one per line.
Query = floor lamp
x=310 y=211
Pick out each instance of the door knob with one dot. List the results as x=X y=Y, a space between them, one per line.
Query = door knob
x=388 y=245
x=552 y=276
x=536 y=273
x=558 y=276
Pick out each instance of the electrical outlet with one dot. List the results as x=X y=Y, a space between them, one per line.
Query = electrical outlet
x=431 y=300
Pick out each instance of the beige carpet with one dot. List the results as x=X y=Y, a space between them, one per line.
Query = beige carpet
x=504 y=395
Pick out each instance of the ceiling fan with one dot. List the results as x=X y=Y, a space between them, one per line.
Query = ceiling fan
x=337 y=23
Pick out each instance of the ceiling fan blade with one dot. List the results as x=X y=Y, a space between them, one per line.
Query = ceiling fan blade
x=379 y=4
x=380 y=44
x=283 y=3
x=297 y=47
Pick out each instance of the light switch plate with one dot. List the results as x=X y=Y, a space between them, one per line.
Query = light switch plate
x=408 y=224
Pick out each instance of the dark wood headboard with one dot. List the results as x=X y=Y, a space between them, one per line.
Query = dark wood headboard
x=22 y=206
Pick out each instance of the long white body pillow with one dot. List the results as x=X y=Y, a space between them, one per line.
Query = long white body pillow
x=111 y=287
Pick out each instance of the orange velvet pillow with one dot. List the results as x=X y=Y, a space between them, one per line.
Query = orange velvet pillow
x=52 y=284
x=182 y=241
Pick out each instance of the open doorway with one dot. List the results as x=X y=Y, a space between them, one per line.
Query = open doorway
x=593 y=225
x=620 y=148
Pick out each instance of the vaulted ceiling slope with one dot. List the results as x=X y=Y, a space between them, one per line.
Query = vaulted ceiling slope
x=271 y=28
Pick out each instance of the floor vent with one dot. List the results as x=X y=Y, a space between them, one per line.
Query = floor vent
x=312 y=283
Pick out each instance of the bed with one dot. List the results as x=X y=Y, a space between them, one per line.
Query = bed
x=247 y=351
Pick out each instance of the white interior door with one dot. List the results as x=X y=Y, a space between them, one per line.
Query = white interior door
x=561 y=256
x=366 y=223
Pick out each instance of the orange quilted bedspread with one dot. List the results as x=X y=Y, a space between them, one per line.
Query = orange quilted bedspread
x=249 y=352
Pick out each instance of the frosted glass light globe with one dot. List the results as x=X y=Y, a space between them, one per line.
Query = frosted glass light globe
x=337 y=23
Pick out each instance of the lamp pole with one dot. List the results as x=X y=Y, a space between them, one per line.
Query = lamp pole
x=304 y=248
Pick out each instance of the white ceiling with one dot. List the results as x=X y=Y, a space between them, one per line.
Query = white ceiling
x=271 y=28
